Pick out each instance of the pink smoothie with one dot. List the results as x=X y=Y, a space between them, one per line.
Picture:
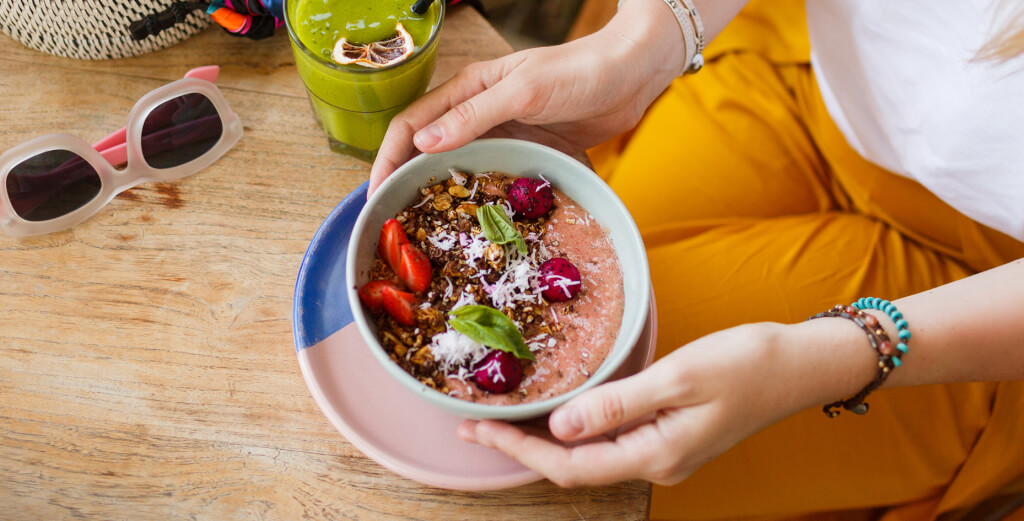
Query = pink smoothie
x=589 y=323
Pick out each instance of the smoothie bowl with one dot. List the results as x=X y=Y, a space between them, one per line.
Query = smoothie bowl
x=498 y=280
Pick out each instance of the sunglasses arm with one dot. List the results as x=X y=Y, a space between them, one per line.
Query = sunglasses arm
x=116 y=155
x=113 y=148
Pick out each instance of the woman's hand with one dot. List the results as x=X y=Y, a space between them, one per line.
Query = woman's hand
x=570 y=97
x=708 y=395
x=692 y=405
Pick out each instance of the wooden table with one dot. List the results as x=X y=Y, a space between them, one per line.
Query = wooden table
x=147 y=368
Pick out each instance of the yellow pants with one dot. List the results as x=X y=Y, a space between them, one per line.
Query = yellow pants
x=754 y=208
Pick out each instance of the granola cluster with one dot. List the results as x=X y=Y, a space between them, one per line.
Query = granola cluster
x=467 y=268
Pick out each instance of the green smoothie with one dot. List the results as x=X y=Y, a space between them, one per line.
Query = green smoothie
x=354 y=104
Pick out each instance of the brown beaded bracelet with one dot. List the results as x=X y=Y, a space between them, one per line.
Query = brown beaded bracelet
x=879 y=342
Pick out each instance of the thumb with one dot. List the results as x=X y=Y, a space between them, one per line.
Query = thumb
x=470 y=119
x=611 y=405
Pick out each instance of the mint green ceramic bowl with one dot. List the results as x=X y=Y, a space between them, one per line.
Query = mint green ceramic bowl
x=524 y=159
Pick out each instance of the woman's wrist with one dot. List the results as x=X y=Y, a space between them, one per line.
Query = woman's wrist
x=649 y=37
x=832 y=360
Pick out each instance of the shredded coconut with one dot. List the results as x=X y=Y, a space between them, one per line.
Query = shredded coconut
x=444 y=241
x=459 y=177
x=453 y=350
x=465 y=299
x=562 y=282
x=545 y=184
x=537 y=343
x=483 y=282
x=474 y=250
x=508 y=208
x=495 y=374
x=424 y=201
x=517 y=283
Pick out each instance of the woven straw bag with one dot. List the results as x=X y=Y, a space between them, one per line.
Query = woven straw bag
x=91 y=29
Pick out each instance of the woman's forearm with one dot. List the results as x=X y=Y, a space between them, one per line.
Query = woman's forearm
x=968 y=330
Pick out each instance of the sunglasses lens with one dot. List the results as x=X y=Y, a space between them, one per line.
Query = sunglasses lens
x=51 y=184
x=180 y=130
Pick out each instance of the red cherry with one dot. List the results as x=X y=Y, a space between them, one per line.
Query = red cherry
x=499 y=372
x=562 y=279
x=531 y=198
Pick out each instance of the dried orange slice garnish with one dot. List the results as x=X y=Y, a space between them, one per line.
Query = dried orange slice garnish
x=375 y=54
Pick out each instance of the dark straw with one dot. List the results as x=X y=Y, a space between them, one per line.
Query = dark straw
x=421 y=6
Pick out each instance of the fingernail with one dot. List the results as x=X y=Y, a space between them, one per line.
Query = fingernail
x=567 y=422
x=429 y=136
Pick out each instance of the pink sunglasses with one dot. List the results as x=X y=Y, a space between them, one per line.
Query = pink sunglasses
x=57 y=181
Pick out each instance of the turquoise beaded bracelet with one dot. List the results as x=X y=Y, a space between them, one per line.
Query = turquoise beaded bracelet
x=889 y=355
x=902 y=327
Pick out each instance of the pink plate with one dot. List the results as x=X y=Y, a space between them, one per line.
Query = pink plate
x=375 y=413
x=403 y=433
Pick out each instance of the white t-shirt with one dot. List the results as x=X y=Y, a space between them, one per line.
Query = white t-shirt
x=902 y=82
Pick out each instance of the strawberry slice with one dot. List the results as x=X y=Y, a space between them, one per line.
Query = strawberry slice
x=392 y=237
x=414 y=268
x=400 y=305
x=372 y=294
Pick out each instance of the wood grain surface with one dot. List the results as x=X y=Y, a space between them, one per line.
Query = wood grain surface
x=147 y=368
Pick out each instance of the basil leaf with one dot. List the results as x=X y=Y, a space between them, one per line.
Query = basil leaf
x=490 y=327
x=498 y=227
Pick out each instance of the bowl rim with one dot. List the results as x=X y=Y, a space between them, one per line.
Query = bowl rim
x=474 y=410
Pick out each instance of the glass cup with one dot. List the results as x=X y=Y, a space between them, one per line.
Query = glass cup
x=353 y=104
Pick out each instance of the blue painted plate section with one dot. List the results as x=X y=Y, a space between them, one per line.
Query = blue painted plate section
x=320 y=307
